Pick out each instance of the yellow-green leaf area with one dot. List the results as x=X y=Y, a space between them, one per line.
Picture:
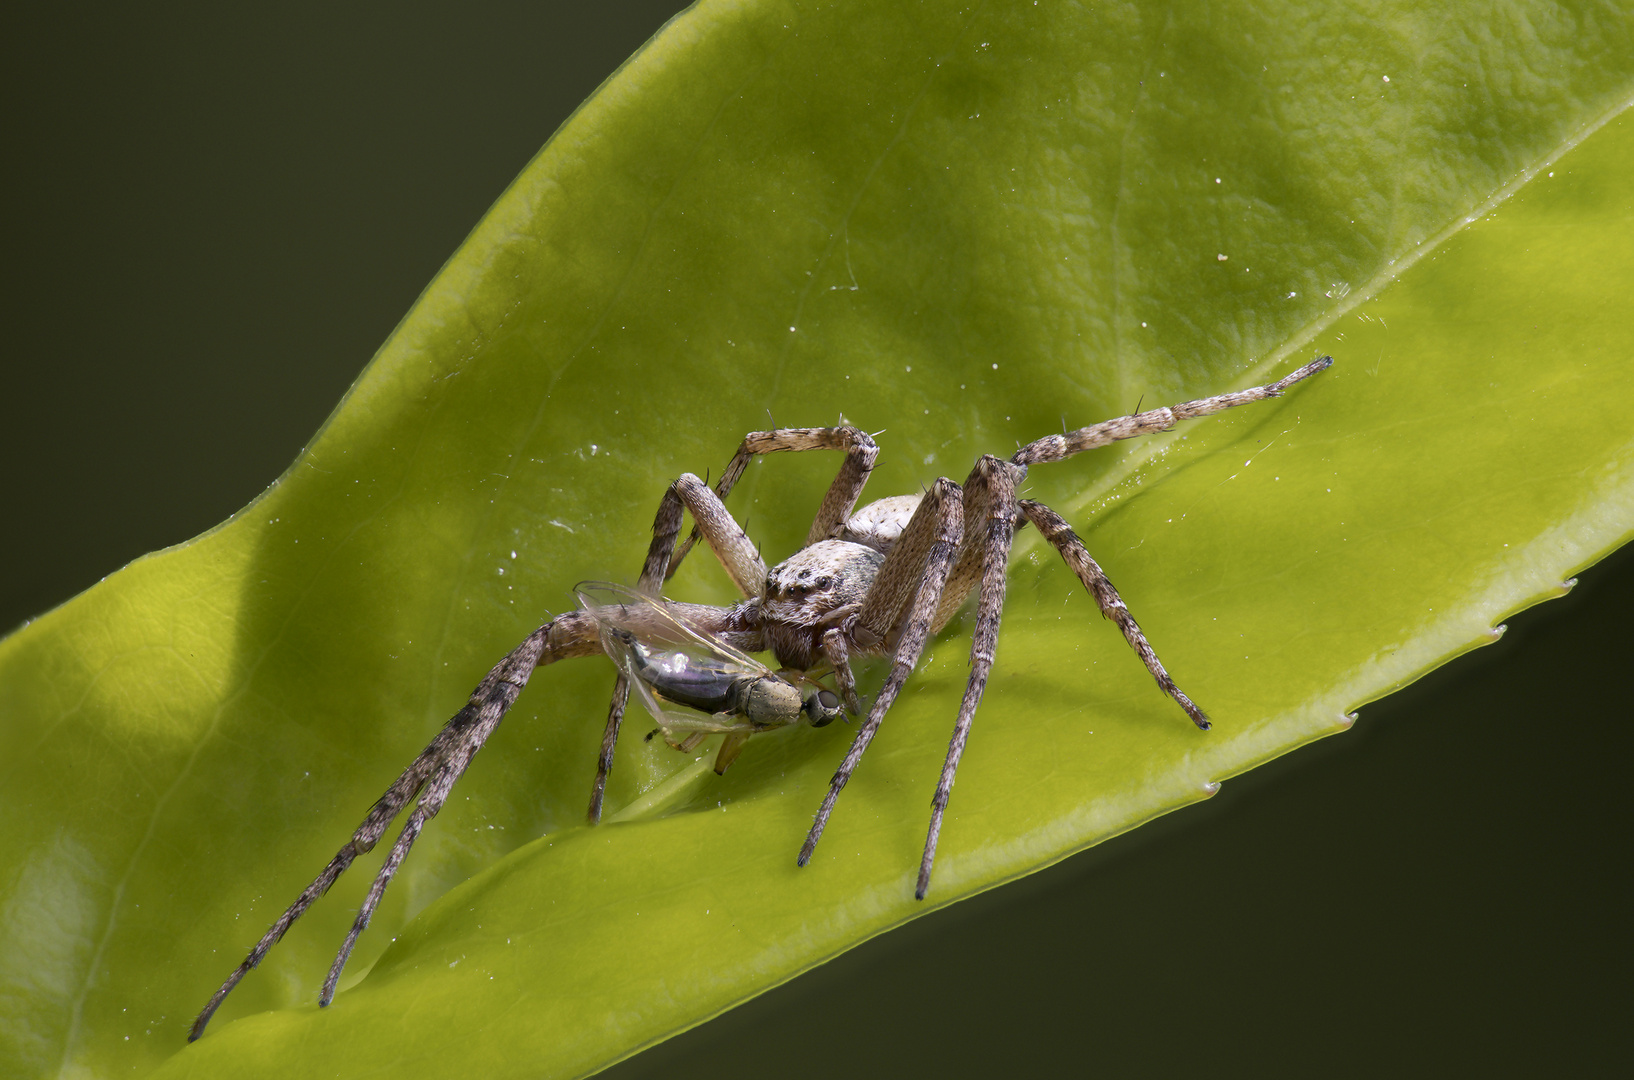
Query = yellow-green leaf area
x=962 y=226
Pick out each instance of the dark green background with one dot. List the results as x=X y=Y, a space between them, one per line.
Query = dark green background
x=213 y=216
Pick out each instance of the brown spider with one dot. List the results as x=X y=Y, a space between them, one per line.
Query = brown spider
x=878 y=581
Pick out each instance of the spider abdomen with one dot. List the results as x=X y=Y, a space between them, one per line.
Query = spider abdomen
x=878 y=524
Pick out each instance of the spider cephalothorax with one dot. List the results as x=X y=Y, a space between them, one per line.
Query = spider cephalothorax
x=817 y=590
x=878 y=581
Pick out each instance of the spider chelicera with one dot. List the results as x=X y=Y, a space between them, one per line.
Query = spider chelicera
x=878 y=581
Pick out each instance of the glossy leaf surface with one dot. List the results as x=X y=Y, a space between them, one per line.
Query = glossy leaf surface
x=957 y=225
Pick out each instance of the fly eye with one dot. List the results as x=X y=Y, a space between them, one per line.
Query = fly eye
x=823 y=707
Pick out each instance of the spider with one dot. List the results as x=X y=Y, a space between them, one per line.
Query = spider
x=877 y=581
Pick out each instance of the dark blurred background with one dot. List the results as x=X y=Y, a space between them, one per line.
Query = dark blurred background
x=214 y=214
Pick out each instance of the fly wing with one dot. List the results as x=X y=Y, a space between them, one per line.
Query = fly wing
x=627 y=618
x=653 y=622
x=621 y=649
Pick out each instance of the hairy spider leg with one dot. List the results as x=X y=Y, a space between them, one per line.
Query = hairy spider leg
x=901 y=604
x=991 y=493
x=1054 y=528
x=838 y=655
x=989 y=489
x=737 y=554
x=860 y=452
x=433 y=771
x=1107 y=432
x=450 y=767
x=609 y=744
x=720 y=530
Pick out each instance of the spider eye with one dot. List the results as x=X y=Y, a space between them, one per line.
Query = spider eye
x=824 y=583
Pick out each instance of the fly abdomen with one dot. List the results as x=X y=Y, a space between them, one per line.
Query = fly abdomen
x=698 y=683
x=713 y=686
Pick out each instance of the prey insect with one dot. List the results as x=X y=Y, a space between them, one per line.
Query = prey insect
x=668 y=661
x=874 y=581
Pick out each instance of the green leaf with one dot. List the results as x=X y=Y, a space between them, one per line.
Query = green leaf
x=957 y=225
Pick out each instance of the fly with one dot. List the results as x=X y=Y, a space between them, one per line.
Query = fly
x=670 y=663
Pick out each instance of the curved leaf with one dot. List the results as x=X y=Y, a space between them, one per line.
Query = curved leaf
x=954 y=224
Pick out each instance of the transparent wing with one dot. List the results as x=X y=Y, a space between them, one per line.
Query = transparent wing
x=642 y=634
x=653 y=622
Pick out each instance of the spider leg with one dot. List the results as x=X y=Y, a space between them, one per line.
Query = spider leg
x=991 y=493
x=910 y=581
x=718 y=527
x=609 y=743
x=737 y=554
x=860 y=452
x=1059 y=447
x=1054 y=528
x=838 y=655
x=566 y=636
x=449 y=769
